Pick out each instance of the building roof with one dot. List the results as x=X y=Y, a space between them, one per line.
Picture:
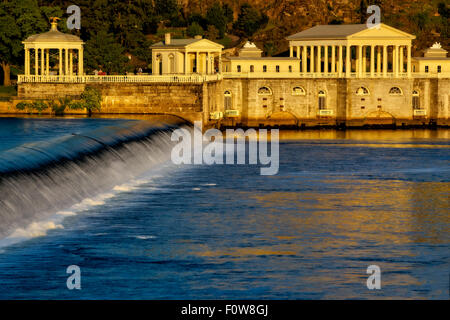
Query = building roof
x=328 y=31
x=53 y=36
x=348 y=31
x=182 y=43
x=261 y=58
x=179 y=43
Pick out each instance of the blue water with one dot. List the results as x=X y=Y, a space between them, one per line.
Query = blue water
x=340 y=202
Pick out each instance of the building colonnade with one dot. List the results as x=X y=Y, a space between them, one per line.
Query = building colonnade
x=42 y=61
x=348 y=60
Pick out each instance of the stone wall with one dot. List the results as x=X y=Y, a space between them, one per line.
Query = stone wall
x=196 y=101
x=345 y=105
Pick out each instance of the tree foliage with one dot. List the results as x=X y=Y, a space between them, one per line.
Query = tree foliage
x=249 y=20
x=103 y=52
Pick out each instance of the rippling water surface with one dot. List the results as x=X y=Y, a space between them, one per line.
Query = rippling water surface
x=341 y=201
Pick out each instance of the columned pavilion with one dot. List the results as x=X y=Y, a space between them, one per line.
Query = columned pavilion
x=40 y=46
x=353 y=51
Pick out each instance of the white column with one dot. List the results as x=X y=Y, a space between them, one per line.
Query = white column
x=319 y=59
x=185 y=62
x=340 y=61
x=385 y=60
x=408 y=67
x=66 y=61
x=36 y=61
x=197 y=64
x=372 y=60
x=291 y=51
x=80 y=62
x=60 y=62
x=220 y=62
x=311 y=60
x=304 y=59
x=326 y=60
x=348 y=53
x=402 y=67
x=208 y=63
x=359 y=61
x=70 y=62
x=27 y=61
x=42 y=62
x=378 y=60
x=47 y=62
x=298 y=52
x=395 y=61
x=333 y=59
x=364 y=61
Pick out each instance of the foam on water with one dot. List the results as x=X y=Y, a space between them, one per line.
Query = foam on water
x=43 y=183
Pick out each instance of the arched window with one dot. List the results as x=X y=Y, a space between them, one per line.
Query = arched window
x=264 y=91
x=322 y=100
x=252 y=68
x=395 y=91
x=416 y=99
x=362 y=91
x=298 y=91
x=227 y=100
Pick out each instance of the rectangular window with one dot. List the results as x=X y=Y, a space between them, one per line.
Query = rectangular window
x=252 y=68
x=439 y=69
x=238 y=68
x=264 y=68
x=426 y=68
x=277 y=68
x=290 y=68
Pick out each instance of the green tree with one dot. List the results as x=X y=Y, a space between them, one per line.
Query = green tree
x=212 y=33
x=249 y=20
x=18 y=20
x=91 y=100
x=216 y=16
x=102 y=51
x=194 y=29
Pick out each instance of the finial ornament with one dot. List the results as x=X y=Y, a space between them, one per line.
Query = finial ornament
x=436 y=45
x=54 y=23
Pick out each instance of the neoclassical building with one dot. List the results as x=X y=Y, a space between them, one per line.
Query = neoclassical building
x=334 y=75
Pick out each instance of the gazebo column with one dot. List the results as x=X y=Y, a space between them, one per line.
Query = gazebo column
x=80 y=62
x=47 y=62
x=70 y=62
x=66 y=61
x=408 y=66
x=42 y=62
x=27 y=61
x=60 y=62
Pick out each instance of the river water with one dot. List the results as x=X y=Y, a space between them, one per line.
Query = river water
x=139 y=227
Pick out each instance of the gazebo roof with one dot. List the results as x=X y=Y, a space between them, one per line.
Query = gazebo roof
x=53 y=36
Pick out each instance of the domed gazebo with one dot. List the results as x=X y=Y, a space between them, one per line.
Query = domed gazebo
x=43 y=43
